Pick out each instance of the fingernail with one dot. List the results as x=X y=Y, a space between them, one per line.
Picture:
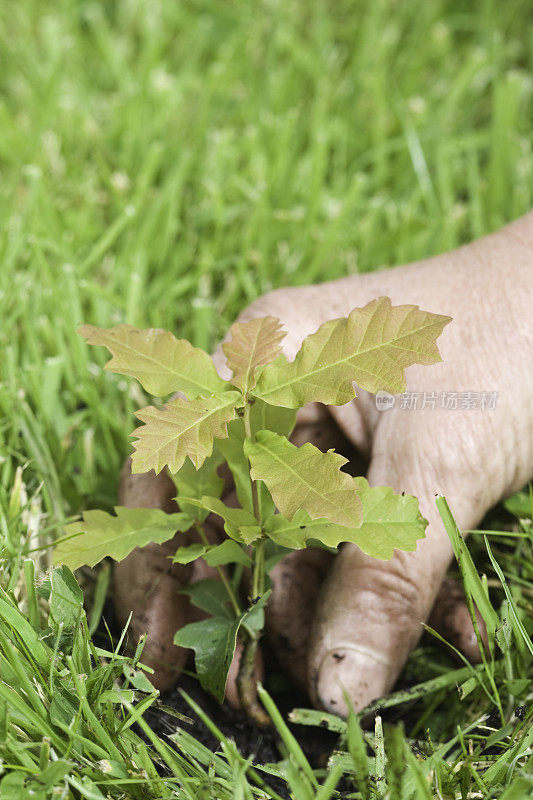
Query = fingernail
x=358 y=671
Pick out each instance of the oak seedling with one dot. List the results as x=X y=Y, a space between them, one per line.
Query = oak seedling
x=290 y=496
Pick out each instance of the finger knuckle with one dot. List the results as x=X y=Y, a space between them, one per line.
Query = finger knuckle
x=397 y=592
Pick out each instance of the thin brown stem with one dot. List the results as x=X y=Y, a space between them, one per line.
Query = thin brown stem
x=246 y=684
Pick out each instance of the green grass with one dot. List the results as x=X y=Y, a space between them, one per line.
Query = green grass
x=67 y=729
x=165 y=163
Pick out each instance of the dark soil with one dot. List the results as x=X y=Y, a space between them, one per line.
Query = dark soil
x=264 y=746
x=261 y=744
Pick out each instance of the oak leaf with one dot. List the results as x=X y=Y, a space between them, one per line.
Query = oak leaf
x=262 y=417
x=390 y=521
x=100 y=534
x=181 y=428
x=253 y=344
x=239 y=523
x=192 y=482
x=161 y=363
x=371 y=347
x=304 y=478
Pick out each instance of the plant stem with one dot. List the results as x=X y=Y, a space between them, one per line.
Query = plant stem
x=246 y=676
x=246 y=683
x=222 y=575
x=255 y=494
x=258 y=578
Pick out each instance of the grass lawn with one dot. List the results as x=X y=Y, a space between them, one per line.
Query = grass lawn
x=163 y=164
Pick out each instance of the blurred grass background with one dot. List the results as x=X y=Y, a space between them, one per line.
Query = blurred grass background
x=164 y=163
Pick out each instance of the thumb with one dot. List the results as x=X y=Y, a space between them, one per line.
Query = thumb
x=370 y=612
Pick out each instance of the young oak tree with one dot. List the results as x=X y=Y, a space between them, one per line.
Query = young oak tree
x=289 y=496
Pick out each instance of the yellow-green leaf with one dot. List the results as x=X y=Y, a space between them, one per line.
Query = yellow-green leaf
x=191 y=482
x=189 y=553
x=159 y=361
x=295 y=533
x=262 y=417
x=100 y=534
x=390 y=522
x=304 y=478
x=227 y=552
x=181 y=428
x=371 y=347
x=252 y=345
x=239 y=524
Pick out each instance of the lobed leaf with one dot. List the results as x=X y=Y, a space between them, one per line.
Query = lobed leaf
x=160 y=362
x=304 y=478
x=239 y=523
x=228 y=552
x=262 y=416
x=253 y=344
x=189 y=553
x=181 y=428
x=371 y=347
x=100 y=534
x=295 y=534
x=390 y=522
x=192 y=482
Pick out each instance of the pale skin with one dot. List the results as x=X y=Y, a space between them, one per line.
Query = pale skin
x=369 y=614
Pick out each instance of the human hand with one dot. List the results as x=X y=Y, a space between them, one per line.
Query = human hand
x=369 y=613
